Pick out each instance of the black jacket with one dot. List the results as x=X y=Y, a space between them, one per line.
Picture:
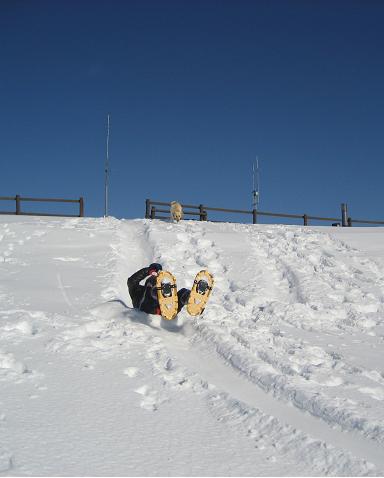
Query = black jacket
x=142 y=295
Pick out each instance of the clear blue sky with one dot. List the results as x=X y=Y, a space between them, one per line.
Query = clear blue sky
x=196 y=90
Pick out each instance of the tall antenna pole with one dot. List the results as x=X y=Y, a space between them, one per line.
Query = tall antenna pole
x=106 y=174
x=256 y=185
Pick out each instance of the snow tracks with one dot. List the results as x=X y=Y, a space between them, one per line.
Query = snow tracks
x=297 y=316
x=284 y=367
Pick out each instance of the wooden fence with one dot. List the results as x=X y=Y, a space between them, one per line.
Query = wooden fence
x=201 y=212
x=18 y=199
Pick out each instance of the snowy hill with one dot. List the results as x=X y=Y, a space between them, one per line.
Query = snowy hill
x=282 y=375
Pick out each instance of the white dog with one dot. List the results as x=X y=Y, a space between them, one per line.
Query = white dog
x=176 y=211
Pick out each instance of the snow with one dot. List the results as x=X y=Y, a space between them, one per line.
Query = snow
x=281 y=376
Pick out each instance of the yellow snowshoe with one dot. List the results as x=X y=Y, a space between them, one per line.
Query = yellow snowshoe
x=201 y=290
x=167 y=294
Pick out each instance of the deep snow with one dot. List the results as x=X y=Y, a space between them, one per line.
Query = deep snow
x=282 y=375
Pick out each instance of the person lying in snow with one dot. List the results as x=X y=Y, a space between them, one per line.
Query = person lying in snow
x=144 y=297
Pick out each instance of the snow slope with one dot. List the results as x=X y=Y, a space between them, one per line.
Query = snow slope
x=282 y=375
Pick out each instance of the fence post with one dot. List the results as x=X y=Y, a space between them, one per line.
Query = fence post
x=81 y=201
x=203 y=214
x=254 y=216
x=18 y=205
x=153 y=212
x=344 y=215
x=147 y=208
x=305 y=217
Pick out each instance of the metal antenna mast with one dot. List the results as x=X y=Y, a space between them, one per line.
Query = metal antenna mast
x=256 y=185
x=106 y=174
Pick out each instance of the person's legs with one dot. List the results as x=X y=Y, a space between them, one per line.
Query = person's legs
x=182 y=296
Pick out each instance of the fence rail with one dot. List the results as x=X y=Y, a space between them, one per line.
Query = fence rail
x=151 y=212
x=18 y=199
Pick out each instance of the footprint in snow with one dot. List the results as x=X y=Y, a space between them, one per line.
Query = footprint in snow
x=375 y=393
x=5 y=462
x=8 y=364
x=182 y=237
x=151 y=399
x=88 y=366
x=131 y=372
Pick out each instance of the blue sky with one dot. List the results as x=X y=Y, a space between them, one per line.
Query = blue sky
x=196 y=90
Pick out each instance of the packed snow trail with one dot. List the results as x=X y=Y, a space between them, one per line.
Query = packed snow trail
x=284 y=368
